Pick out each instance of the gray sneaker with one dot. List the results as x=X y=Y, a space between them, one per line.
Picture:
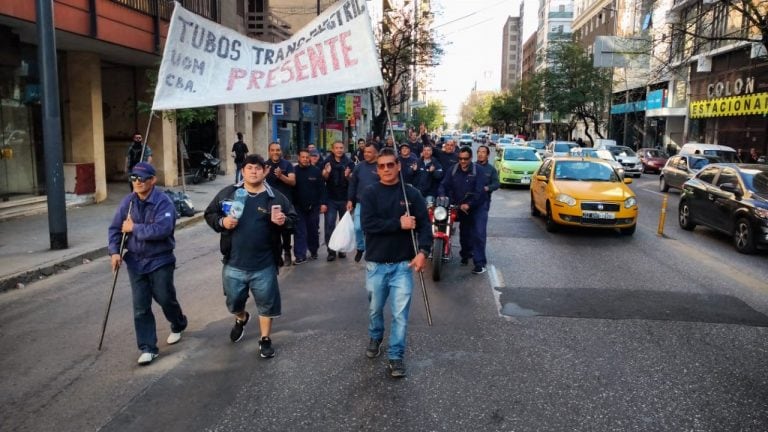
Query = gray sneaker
x=397 y=368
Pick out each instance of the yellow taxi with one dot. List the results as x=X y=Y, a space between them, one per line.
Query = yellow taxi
x=583 y=192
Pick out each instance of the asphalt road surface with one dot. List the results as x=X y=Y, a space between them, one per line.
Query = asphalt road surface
x=578 y=330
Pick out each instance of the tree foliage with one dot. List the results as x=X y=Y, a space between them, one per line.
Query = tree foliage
x=706 y=26
x=404 y=44
x=431 y=116
x=474 y=110
x=572 y=89
x=505 y=112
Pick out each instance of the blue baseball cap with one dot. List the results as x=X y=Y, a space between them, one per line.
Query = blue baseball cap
x=143 y=169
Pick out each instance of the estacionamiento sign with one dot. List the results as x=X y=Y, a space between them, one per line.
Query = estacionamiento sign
x=753 y=104
x=207 y=64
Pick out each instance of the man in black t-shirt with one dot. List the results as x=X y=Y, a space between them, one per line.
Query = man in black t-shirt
x=239 y=151
x=388 y=223
x=250 y=243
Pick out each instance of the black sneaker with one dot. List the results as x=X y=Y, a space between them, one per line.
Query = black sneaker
x=313 y=256
x=397 y=368
x=331 y=256
x=342 y=255
x=359 y=255
x=299 y=261
x=464 y=261
x=478 y=270
x=287 y=259
x=374 y=348
x=239 y=329
x=265 y=348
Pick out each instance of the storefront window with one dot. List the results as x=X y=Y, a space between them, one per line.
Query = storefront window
x=19 y=150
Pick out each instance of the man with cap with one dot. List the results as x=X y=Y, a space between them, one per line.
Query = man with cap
x=137 y=152
x=408 y=163
x=147 y=218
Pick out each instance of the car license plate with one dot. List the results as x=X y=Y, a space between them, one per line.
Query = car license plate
x=525 y=180
x=598 y=215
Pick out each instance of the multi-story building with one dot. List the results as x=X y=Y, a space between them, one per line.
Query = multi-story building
x=529 y=58
x=725 y=81
x=106 y=53
x=554 y=25
x=511 y=48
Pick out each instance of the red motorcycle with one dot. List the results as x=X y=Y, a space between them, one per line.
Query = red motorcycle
x=442 y=215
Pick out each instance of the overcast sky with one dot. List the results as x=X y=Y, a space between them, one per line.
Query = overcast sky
x=472 y=31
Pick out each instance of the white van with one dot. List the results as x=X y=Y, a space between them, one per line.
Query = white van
x=725 y=153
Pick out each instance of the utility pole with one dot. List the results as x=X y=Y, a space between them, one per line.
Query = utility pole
x=54 y=165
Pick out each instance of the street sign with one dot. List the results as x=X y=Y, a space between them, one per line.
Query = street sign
x=278 y=108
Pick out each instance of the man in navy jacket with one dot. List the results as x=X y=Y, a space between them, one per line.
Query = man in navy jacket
x=309 y=201
x=364 y=175
x=464 y=185
x=149 y=257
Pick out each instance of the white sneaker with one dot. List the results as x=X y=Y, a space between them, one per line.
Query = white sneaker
x=146 y=358
x=173 y=338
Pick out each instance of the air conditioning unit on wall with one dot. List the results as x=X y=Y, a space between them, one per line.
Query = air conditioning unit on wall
x=758 y=50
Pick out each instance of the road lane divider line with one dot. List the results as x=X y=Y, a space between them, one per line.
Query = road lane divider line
x=497 y=281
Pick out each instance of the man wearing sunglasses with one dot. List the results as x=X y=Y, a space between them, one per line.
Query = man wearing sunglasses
x=149 y=257
x=464 y=185
x=390 y=255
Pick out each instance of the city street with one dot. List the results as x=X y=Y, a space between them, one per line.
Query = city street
x=577 y=330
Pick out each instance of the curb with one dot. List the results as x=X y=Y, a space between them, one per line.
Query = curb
x=11 y=282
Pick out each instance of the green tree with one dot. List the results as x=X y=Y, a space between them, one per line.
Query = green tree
x=572 y=89
x=404 y=45
x=431 y=116
x=505 y=112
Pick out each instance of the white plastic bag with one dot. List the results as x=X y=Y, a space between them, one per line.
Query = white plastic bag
x=343 y=236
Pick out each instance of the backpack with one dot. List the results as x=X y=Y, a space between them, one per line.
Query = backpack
x=182 y=203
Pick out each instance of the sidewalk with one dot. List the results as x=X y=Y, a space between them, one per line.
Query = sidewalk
x=25 y=254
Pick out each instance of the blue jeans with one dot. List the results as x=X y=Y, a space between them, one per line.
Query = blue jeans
x=359 y=235
x=261 y=283
x=336 y=210
x=307 y=234
x=480 y=228
x=381 y=280
x=238 y=172
x=158 y=285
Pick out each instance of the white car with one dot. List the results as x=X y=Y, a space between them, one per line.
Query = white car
x=599 y=154
x=628 y=159
x=466 y=140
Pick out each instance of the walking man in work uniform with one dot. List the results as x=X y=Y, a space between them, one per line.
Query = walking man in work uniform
x=463 y=184
x=149 y=256
x=390 y=255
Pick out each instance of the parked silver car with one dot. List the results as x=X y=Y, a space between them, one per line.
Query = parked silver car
x=680 y=168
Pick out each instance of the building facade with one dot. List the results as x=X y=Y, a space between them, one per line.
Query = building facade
x=511 y=53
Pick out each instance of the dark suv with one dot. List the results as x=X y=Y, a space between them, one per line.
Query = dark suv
x=679 y=169
x=731 y=198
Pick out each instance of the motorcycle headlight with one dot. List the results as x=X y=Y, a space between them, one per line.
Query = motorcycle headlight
x=630 y=202
x=440 y=213
x=565 y=199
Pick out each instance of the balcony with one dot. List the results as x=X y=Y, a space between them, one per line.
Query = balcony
x=267 y=27
x=164 y=8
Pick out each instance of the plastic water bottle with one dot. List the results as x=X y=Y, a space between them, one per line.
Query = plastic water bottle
x=239 y=204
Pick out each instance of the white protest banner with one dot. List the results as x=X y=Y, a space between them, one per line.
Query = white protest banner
x=207 y=64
